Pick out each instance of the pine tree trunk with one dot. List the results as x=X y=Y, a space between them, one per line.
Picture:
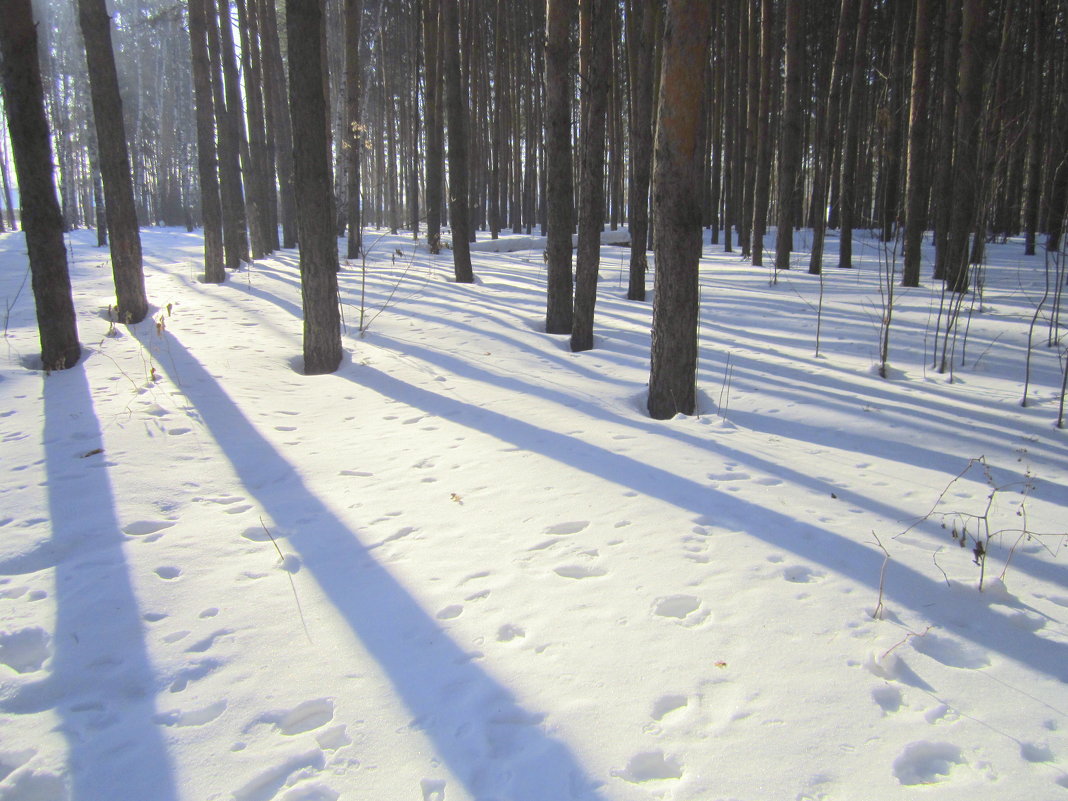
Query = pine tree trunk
x=259 y=213
x=942 y=189
x=847 y=201
x=595 y=27
x=210 y=205
x=640 y=41
x=241 y=216
x=677 y=210
x=278 y=111
x=789 y=137
x=916 y=180
x=353 y=136
x=41 y=217
x=132 y=303
x=559 y=199
x=435 y=169
x=314 y=192
x=763 y=131
x=456 y=108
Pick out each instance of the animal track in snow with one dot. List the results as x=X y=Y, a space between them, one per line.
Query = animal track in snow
x=889 y=698
x=449 y=612
x=269 y=783
x=509 y=632
x=565 y=529
x=924 y=762
x=666 y=704
x=580 y=571
x=303 y=717
x=194 y=717
x=203 y=645
x=26 y=650
x=650 y=766
x=168 y=573
x=801 y=574
x=142 y=528
x=433 y=789
x=676 y=606
x=950 y=652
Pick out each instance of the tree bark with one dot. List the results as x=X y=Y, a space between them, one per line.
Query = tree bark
x=456 y=108
x=595 y=27
x=314 y=192
x=434 y=166
x=763 y=130
x=640 y=18
x=352 y=146
x=41 y=217
x=278 y=112
x=559 y=17
x=677 y=210
x=916 y=178
x=847 y=200
x=131 y=301
x=210 y=205
x=790 y=137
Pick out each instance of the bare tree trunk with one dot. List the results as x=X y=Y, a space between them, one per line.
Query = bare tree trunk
x=847 y=201
x=353 y=136
x=942 y=189
x=456 y=108
x=126 y=264
x=435 y=169
x=259 y=214
x=595 y=27
x=41 y=217
x=210 y=205
x=559 y=199
x=278 y=110
x=677 y=210
x=640 y=18
x=763 y=130
x=315 y=197
x=917 y=179
x=790 y=137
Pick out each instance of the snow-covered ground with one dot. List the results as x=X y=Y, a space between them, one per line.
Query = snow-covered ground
x=469 y=566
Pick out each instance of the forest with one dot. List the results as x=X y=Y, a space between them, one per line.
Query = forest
x=946 y=118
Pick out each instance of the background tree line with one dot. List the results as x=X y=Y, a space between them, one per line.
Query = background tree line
x=523 y=115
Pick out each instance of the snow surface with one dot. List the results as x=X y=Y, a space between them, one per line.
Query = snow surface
x=469 y=566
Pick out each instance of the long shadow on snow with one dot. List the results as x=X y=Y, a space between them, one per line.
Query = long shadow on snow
x=903 y=585
x=102 y=684
x=508 y=756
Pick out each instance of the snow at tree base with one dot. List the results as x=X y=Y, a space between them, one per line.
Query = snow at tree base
x=468 y=565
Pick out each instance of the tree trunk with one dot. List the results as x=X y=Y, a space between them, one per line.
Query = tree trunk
x=917 y=179
x=353 y=136
x=314 y=193
x=41 y=217
x=942 y=189
x=763 y=130
x=790 y=137
x=640 y=18
x=559 y=199
x=677 y=210
x=210 y=206
x=595 y=27
x=259 y=214
x=965 y=180
x=847 y=200
x=278 y=112
x=241 y=217
x=434 y=166
x=456 y=108
x=132 y=303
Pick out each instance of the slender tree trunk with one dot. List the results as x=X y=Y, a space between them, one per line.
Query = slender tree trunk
x=353 y=137
x=210 y=205
x=41 y=217
x=278 y=107
x=763 y=130
x=917 y=178
x=231 y=120
x=559 y=18
x=435 y=169
x=965 y=181
x=595 y=27
x=847 y=201
x=942 y=189
x=132 y=303
x=640 y=19
x=1033 y=183
x=313 y=179
x=677 y=210
x=825 y=160
x=259 y=214
x=790 y=137
x=456 y=107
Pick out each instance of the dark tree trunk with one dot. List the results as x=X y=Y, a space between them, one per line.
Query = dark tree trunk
x=677 y=210
x=456 y=107
x=965 y=180
x=314 y=192
x=790 y=137
x=41 y=217
x=595 y=27
x=1033 y=183
x=640 y=18
x=763 y=130
x=8 y=206
x=942 y=189
x=353 y=138
x=559 y=199
x=231 y=130
x=132 y=303
x=278 y=112
x=210 y=206
x=830 y=132
x=258 y=176
x=435 y=169
x=917 y=179
x=847 y=200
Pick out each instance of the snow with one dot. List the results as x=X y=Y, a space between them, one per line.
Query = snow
x=468 y=566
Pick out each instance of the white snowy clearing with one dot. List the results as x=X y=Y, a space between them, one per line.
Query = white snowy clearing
x=469 y=566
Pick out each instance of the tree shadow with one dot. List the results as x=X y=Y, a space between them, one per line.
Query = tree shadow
x=489 y=742
x=102 y=685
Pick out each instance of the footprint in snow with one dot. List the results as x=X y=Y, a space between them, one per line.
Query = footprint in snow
x=650 y=766
x=26 y=650
x=145 y=528
x=191 y=717
x=801 y=574
x=168 y=573
x=887 y=697
x=580 y=571
x=565 y=529
x=666 y=704
x=924 y=762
